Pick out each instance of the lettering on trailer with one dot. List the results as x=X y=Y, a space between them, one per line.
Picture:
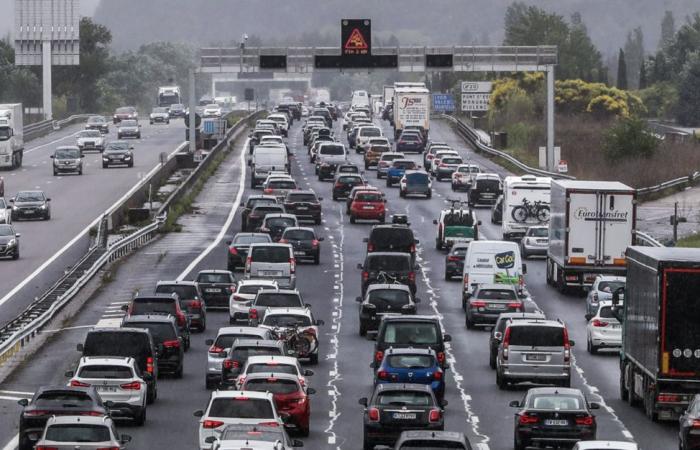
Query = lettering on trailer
x=583 y=213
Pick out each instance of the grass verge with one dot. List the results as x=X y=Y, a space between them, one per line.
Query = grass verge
x=690 y=241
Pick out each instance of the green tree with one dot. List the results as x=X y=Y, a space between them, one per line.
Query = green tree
x=688 y=109
x=642 y=75
x=634 y=55
x=686 y=41
x=621 y=71
x=668 y=30
x=629 y=138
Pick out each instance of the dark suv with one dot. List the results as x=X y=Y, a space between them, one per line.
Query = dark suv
x=171 y=353
x=381 y=300
x=304 y=204
x=252 y=202
x=164 y=304
x=191 y=301
x=257 y=215
x=411 y=331
x=392 y=238
x=134 y=343
x=388 y=267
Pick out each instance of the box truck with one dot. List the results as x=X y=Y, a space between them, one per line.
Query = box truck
x=525 y=203
x=411 y=109
x=11 y=135
x=388 y=95
x=592 y=223
x=660 y=355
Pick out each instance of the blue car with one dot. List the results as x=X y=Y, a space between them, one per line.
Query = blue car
x=412 y=365
x=397 y=169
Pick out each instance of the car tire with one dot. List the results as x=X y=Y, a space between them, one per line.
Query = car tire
x=208 y=384
x=430 y=194
x=447 y=276
x=151 y=122
x=25 y=444
x=352 y=219
x=140 y=420
x=438 y=244
x=468 y=322
x=363 y=329
x=104 y=166
x=317 y=259
x=492 y=360
x=592 y=349
x=55 y=172
x=80 y=172
x=138 y=136
x=119 y=136
x=388 y=181
x=15 y=255
x=382 y=219
x=402 y=194
x=317 y=221
x=178 y=373
x=501 y=382
x=47 y=216
x=131 y=164
x=517 y=444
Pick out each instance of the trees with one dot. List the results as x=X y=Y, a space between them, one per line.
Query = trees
x=629 y=138
x=688 y=108
x=621 y=71
x=668 y=30
x=634 y=56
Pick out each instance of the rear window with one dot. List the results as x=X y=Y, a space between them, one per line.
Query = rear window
x=409 y=137
x=432 y=444
x=490 y=185
x=411 y=361
x=459 y=219
x=391 y=237
x=610 y=286
x=270 y=254
x=287 y=320
x=606 y=312
x=280 y=222
x=272 y=385
x=452 y=160
x=117 y=343
x=537 y=336
x=370 y=132
x=557 y=402
x=161 y=331
x=78 y=433
x=214 y=278
x=281 y=184
x=260 y=201
x=418 y=333
x=468 y=169
x=106 y=371
x=226 y=340
x=158 y=306
x=332 y=150
x=350 y=180
x=460 y=251
x=251 y=288
x=362 y=197
x=185 y=292
x=538 y=232
x=389 y=263
x=249 y=408
x=388 y=297
x=243 y=353
x=308 y=198
x=496 y=294
x=278 y=300
x=379 y=148
x=299 y=235
x=60 y=399
x=242 y=240
x=390 y=157
x=404 y=398
x=271 y=367
x=262 y=210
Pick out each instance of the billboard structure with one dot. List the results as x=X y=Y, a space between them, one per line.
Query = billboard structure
x=47 y=33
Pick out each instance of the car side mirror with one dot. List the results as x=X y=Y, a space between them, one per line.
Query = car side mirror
x=572 y=343
x=52 y=156
x=363 y=401
x=79 y=347
x=23 y=402
x=131 y=147
x=358 y=299
x=198 y=413
x=308 y=373
x=589 y=316
x=447 y=338
x=435 y=222
x=514 y=404
x=125 y=307
x=311 y=391
x=498 y=335
x=594 y=405
x=69 y=374
x=48 y=199
x=321 y=239
x=124 y=439
x=444 y=403
x=365 y=239
x=242 y=205
x=12 y=200
x=359 y=266
x=320 y=199
x=524 y=268
x=478 y=222
x=82 y=156
x=18 y=235
x=210 y=439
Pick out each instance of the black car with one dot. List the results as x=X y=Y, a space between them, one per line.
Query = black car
x=118 y=153
x=49 y=401
x=31 y=205
x=497 y=211
x=304 y=204
x=411 y=331
x=454 y=261
x=388 y=267
x=160 y=304
x=344 y=183
x=168 y=340
x=252 y=202
x=500 y=327
x=394 y=408
x=304 y=242
x=416 y=439
x=485 y=189
x=382 y=299
x=553 y=416
x=393 y=237
x=688 y=436
x=240 y=244
x=490 y=300
x=241 y=349
x=97 y=123
x=9 y=242
x=176 y=110
x=126 y=342
x=216 y=286
x=256 y=216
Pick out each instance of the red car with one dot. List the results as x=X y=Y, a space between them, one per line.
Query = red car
x=290 y=395
x=368 y=205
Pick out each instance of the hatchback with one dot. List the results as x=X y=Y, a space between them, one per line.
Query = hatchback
x=385 y=161
x=412 y=365
x=344 y=183
x=30 y=205
x=603 y=329
x=191 y=301
x=275 y=224
x=490 y=300
x=67 y=158
x=409 y=142
x=454 y=261
x=602 y=289
x=238 y=248
x=160 y=304
x=256 y=216
x=78 y=432
x=239 y=302
x=397 y=169
x=535 y=242
x=304 y=242
x=252 y=202
x=415 y=439
x=447 y=166
x=216 y=286
x=415 y=182
x=237 y=355
x=168 y=341
x=221 y=344
x=381 y=300
x=368 y=205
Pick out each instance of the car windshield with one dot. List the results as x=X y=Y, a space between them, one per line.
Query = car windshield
x=271 y=366
x=287 y=320
x=282 y=184
x=105 y=371
x=537 y=336
x=411 y=333
x=96 y=119
x=30 y=197
x=241 y=408
x=272 y=385
x=226 y=340
x=129 y=123
x=395 y=298
x=332 y=150
x=153 y=305
x=610 y=286
x=557 y=402
x=214 y=278
x=78 y=433
x=450 y=160
x=67 y=153
x=250 y=239
x=125 y=110
x=160 y=110
x=117 y=147
x=370 y=132
x=270 y=254
x=252 y=202
x=6 y=230
x=496 y=294
x=432 y=444
x=411 y=361
x=468 y=169
x=459 y=251
x=404 y=165
x=62 y=399
x=538 y=232
x=90 y=134
x=301 y=198
x=299 y=235
x=404 y=398
x=350 y=180
x=161 y=331
x=389 y=263
x=278 y=299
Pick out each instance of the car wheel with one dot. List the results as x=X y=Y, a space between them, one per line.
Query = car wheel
x=25 y=444
x=430 y=194
x=518 y=444
x=138 y=136
x=363 y=329
x=317 y=221
x=447 y=276
x=151 y=122
x=464 y=303
x=352 y=219
x=119 y=136
x=104 y=166
x=141 y=418
x=492 y=360
x=388 y=181
x=469 y=322
x=15 y=255
x=208 y=384
x=382 y=219
x=438 y=244
x=402 y=194
x=178 y=372
x=592 y=349
x=202 y=328
x=317 y=259
x=55 y=172
x=500 y=381
x=47 y=216
x=80 y=172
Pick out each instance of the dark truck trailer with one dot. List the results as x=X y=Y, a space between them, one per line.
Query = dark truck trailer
x=660 y=356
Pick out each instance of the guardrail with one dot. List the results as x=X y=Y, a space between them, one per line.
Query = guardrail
x=38 y=129
x=19 y=331
x=646 y=239
x=676 y=182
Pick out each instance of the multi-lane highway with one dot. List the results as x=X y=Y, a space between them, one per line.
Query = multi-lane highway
x=48 y=247
x=476 y=406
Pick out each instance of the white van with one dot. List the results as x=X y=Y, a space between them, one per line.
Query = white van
x=526 y=202
x=266 y=160
x=491 y=262
x=360 y=99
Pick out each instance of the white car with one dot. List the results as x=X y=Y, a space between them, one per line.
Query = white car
x=211 y=110
x=159 y=115
x=235 y=407
x=603 y=329
x=117 y=380
x=91 y=140
x=438 y=156
x=253 y=437
x=222 y=343
x=602 y=289
x=463 y=176
x=81 y=432
x=246 y=290
x=282 y=122
x=605 y=445
x=301 y=318
x=273 y=363
x=5 y=214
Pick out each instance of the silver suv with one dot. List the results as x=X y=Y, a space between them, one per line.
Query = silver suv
x=534 y=350
x=270 y=261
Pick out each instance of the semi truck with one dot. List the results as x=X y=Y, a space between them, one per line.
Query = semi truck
x=660 y=312
x=388 y=94
x=591 y=225
x=411 y=109
x=525 y=203
x=169 y=95
x=11 y=135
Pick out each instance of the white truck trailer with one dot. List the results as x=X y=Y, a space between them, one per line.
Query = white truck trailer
x=11 y=135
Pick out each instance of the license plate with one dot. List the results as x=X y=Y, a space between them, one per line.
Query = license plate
x=298 y=253
x=107 y=388
x=497 y=306
x=536 y=357
x=404 y=416
x=212 y=290
x=28 y=211
x=302 y=208
x=272 y=273
x=615 y=325
x=488 y=195
x=368 y=207
x=556 y=422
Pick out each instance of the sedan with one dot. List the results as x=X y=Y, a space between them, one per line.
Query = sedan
x=689 y=433
x=97 y=123
x=129 y=128
x=118 y=153
x=489 y=301
x=9 y=242
x=553 y=416
x=91 y=140
x=368 y=205
x=304 y=242
x=31 y=205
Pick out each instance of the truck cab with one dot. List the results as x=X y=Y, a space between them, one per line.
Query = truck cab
x=11 y=136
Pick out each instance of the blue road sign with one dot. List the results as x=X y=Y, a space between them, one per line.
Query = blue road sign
x=443 y=103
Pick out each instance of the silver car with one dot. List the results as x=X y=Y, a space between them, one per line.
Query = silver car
x=534 y=350
x=602 y=289
x=68 y=158
x=272 y=261
x=535 y=242
x=239 y=302
x=91 y=140
x=129 y=128
x=81 y=432
x=221 y=345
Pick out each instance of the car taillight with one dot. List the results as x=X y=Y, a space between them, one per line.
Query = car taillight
x=133 y=386
x=668 y=398
x=370 y=247
x=466 y=281
x=453 y=258
x=477 y=304
x=37 y=412
x=283 y=241
x=338 y=185
x=209 y=424
x=233 y=251
x=527 y=419
x=435 y=415
x=373 y=415
x=181 y=319
x=268 y=190
x=149 y=365
x=196 y=304
x=214 y=350
x=230 y=364
x=586 y=421
x=314 y=243
x=383 y=375
x=695 y=423
x=175 y=343
x=506 y=343
x=411 y=276
x=248 y=262
x=292 y=265
x=515 y=305
x=378 y=356
x=441 y=357
x=365 y=275
x=43 y=447
x=253 y=314
x=108 y=448
x=76 y=383
x=310 y=330
x=268 y=424
x=567 y=346
x=437 y=375
x=413 y=248
x=599 y=323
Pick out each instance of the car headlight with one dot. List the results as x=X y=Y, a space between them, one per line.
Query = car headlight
x=15 y=208
x=105 y=159
x=12 y=243
x=43 y=207
x=127 y=157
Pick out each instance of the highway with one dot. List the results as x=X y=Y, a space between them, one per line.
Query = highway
x=76 y=202
x=476 y=406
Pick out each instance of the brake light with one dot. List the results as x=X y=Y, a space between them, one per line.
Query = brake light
x=253 y=314
x=370 y=247
x=172 y=344
x=209 y=424
x=506 y=343
x=437 y=375
x=365 y=275
x=441 y=357
x=233 y=251
x=383 y=375
x=292 y=265
x=42 y=447
x=477 y=304
x=373 y=415
x=283 y=241
x=338 y=185
x=515 y=305
x=667 y=398
x=268 y=190
x=586 y=421
x=133 y=386
x=412 y=276
x=149 y=365
x=76 y=383
x=599 y=323
x=310 y=330
x=314 y=243
x=238 y=298
x=695 y=423
x=196 y=304
x=248 y=262
x=181 y=320
x=214 y=350
x=378 y=356
x=435 y=415
x=230 y=364
x=567 y=346
x=453 y=258
x=413 y=248
x=527 y=419
x=466 y=281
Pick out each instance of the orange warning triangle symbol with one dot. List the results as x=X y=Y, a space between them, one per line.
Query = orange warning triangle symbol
x=356 y=41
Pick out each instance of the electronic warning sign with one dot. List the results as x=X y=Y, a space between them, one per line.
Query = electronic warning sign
x=356 y=36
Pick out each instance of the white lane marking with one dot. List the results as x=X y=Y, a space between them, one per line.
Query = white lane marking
x=52 y=142
x=337 y=313
x=4 y=397
x=55 y=256
x=14 y=442
x=229 y=219
x=66 y=329
x=108 y=323
x=17 y=392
